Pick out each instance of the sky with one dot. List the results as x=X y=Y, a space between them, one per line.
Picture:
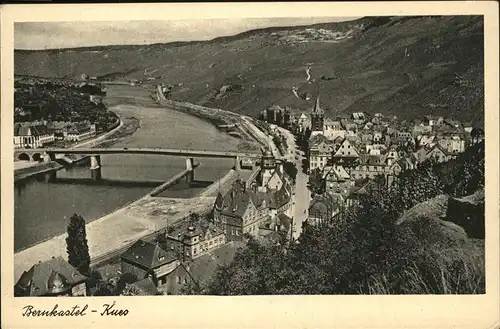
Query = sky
x=49 y=35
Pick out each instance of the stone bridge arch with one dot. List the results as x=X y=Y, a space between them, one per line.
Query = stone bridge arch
x=37 y=157
x=24 y=157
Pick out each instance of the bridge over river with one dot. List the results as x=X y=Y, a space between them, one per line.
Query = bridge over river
x=49 y=154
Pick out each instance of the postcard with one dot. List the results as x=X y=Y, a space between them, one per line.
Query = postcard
x=230 y=165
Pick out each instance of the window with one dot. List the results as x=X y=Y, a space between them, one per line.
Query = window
x=178 y=279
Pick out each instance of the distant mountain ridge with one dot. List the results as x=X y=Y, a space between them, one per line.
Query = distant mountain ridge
x=407 y=66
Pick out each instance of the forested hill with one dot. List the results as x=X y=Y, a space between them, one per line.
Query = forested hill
x=407 y=66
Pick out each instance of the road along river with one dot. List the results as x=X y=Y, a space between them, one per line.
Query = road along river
x=42 y=209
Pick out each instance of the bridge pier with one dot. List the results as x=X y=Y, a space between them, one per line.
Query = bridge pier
x=190 y=166
x=95 y=167
x=50 y=176
x=48 y=157
x=237 y=164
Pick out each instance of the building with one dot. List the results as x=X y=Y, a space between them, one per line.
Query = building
x=358 y=191
x=193 y=240
x=30 y=135
x=452 y=144
x=337 y=180
x=477 y=135
x=438 y=153
x=148 y=260
x=359 y=117
x=317 y=118
x=432 y=120
x=144 y=287
x=333 y=129
x=427 y=141
x=320 y=152
x=377 y=137
x=247 y=205
x=404 y=137
x=55 y=277
x=59 y=128
x=323 y=209
x=370 y=166
x=80 y=131
x=96 y=99
x=348 y=124
x=346 y=153
x=421 y=129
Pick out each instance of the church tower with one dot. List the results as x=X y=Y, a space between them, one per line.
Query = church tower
x=267 y=167
x=317 y=117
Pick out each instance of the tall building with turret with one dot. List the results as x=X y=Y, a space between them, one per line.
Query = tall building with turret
x=249 y=205
x=317 y=117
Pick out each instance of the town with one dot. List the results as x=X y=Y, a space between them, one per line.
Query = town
x=200 y=168
x=340 y=157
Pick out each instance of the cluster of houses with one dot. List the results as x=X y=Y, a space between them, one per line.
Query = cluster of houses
x=256 y=207
x=38 y=134
x=350 y=151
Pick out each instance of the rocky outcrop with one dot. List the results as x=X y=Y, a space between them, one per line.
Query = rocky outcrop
x=426 y=221
x=448 y=220
x=468 y=212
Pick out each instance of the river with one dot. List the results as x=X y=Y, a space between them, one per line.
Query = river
x=42 y=209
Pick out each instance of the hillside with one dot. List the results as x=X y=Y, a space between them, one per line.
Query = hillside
x=407 y=66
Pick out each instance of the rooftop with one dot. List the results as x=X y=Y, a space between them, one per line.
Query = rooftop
x=148 y=254
x=50 y=277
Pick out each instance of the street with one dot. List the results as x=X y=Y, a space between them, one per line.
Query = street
x=262 y=136
x=301 y=197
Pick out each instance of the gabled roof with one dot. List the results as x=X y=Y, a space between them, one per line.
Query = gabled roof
x=236 y=201
x=188 y=230
x=146 y=287
x=323 y=206
x=316 y=139
x=49 y=277
x=148 y=255
x=25 y=128
x=21 y=129
x=343 y=146
x=338 y=171
x=373 y=159
x=440 y=148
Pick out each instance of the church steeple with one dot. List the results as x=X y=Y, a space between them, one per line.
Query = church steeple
x=317 y=116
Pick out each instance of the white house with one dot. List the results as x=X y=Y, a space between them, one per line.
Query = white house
x=31 y=135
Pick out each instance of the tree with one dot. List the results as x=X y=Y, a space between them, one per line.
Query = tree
x=76 y=244
x=131 y=290
x=316 y=181
x=161 y=240
x=194 y=218
x=124 y=280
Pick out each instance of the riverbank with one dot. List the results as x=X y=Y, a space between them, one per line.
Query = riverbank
x=113 y=233
x=34 y=168
x=253 y=138
x=40 y=168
